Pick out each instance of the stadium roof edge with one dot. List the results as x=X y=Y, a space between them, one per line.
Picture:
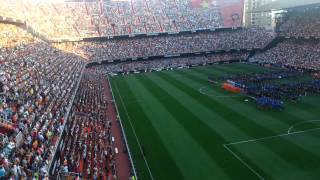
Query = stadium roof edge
x=285 y=4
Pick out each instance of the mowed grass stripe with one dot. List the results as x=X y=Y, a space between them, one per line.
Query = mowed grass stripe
x=242 y=68
x=239 y=68
x=247 y=125
x=220 y=108
x=276 y=170
x=191 y=158
x=207 y=114
x=195 y=127
x=295 y=115
x=306 y=105
x=147 y=135
x=278 y=158
x=207 y=117
x=290 y=116
x=248 y=110
x=259 y=150
x=254 y=68
x=227 y=69
x=260 y=168
x=202 y=77
x=282 y=118
x=141 y=168
x=285 y=118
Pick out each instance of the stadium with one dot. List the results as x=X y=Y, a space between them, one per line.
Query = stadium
x=159 y=89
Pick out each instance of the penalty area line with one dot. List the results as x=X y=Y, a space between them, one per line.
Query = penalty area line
x=299 y=123
x=261 y=139
x=243 y=162
x=272 y=137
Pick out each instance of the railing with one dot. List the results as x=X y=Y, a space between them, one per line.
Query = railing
x=67 y=176
x=122 y=130
x=3 y=121
x=193 y=54
x=51 y=169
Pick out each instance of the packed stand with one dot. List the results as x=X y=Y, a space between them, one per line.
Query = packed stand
x=12 y=9
x=110 y=50
x=11 y=36
x=293 y=53
x=302 y=23
x=37 y=83
x=110 y=18
x=88 y=150
x=172 y=63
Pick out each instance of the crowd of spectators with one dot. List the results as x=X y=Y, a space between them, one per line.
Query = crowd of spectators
x=11 y=36
x=59 y=19
x=110 y=50
x=172 y=63
x=293 y=53
x=37 y=83
x=301 y=23
x=88 y=150
x=298 y=24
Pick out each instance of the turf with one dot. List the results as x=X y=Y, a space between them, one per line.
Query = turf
x=176 y=132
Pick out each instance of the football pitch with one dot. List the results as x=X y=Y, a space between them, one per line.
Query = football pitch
x=180 y=126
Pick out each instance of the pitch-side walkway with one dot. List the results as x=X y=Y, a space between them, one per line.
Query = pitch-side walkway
x=122 y=158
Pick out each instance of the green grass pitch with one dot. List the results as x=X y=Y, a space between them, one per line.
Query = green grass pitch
x=188 y=128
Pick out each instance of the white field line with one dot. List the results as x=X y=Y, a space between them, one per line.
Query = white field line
x=272 y=137
x=264 y=138
x=122 y=130
x=243 y=162
x=299 y=123
x=134 y=132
